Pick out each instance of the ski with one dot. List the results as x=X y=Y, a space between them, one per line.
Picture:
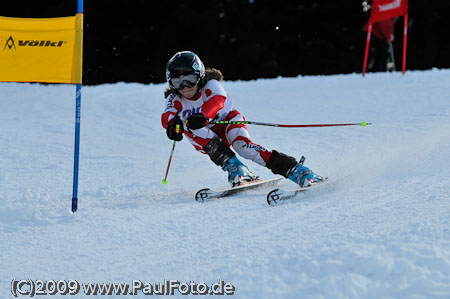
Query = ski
x=276 y=196
x=207 y=194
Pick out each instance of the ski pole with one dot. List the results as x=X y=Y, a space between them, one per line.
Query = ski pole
x=224 y=122
x=164 y=180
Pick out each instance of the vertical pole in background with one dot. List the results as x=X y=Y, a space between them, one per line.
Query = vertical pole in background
x=369 y=32
x=77 y=148
x=77 y=134
x=405 y=33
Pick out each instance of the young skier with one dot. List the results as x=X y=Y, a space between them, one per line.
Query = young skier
x=195 y=97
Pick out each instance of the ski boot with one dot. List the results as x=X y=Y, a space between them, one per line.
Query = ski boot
x=303 y=176
x=238 y=173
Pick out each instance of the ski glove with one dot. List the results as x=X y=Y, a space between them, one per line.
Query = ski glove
x=196 y=121
x=175 y=129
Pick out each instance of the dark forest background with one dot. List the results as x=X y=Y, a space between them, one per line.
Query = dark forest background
x=131 y=40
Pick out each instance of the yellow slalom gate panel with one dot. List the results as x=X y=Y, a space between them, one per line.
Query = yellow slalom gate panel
x=41 y=50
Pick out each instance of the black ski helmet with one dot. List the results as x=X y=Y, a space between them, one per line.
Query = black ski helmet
x=184 y=63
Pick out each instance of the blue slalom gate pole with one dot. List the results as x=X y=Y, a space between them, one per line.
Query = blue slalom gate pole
x=77 y=149
x=77 y=135
x=80 y=6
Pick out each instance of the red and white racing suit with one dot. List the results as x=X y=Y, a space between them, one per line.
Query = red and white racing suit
x=213 y=101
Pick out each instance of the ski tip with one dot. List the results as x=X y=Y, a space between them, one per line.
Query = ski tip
x=273 y=197
x=164 y=181
x=202 y=195
x=365 y=124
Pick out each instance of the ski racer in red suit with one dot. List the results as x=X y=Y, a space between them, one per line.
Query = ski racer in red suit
x=195 y=97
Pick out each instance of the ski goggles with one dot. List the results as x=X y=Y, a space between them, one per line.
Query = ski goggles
x=188 y=81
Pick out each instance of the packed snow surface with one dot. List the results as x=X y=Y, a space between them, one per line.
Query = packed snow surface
x=379 y=229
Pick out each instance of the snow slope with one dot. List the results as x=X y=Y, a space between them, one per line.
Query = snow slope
x=382 y=230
